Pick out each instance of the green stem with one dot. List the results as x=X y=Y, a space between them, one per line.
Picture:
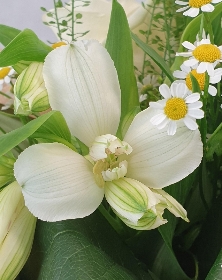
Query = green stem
x=201 y=27
x=73 y=20
x=209 y=27
x=57 y=21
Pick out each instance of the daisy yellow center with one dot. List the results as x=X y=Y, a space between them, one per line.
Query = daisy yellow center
x=207 y=53
x=58 y=44
x=200 y=77
x=4 y=72
x=198 y=3
x=175 y=108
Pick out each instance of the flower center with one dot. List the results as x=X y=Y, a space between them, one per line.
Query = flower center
x=175 y=108
x=198 y=3
x=4 y=72
x=200 y=77
x=207 y=53
x=58 y=44
x=108 y=153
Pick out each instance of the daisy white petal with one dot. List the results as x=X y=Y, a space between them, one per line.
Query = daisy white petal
x=192 y=98
x=176 y=158
x=212 y=90
x=172 y=128
x=179 y=74
x=157 y=119
x=82 y=83
x=190 y=123
x=195 y=105
x=207 y=8
x=58 y=184
x=190 y=62
x=192 y=12
x=196 y=113
x=182 y=9
x=180 y=3
x=165 y=91
x=188 y=45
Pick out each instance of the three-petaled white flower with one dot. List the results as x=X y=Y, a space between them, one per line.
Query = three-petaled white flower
x=202 y=53
x=179 y=104
x=60 y=184
x=193 y=7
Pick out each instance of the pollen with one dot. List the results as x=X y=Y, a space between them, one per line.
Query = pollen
x=200 y=77
x=207 y=53
x=175 y=108
x=4 y=72
x=198 y=3
x=58 y=44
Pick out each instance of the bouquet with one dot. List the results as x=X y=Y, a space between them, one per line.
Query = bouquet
x=110 y=143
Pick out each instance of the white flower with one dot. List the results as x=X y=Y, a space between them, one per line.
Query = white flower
x=59 y=184
x=148 y=83
x=193 y=7
x=5 y=75
x=179 y=104
x=204 y=54
x=200 y=77
x=96 y=18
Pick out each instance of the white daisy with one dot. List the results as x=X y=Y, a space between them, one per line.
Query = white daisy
x=179 y=104
x=184 y=74
x=204 y=54
x=148 y=83
x=5 y=75
x=193 y=7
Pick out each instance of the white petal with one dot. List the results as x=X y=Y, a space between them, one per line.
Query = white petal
x=196 y=113
x=207 y=8
x=180 y=3
x=165 y=91
x=210 y=69
x=156 y=105
x=192 y=98
x=190 y=123
x=158 y=119
x=7 y=80
x=157 y=159
x=212 y=90
x=192 y=12
x=182 y=9
x=216 y=1
x=82 y=84
x=179 y=74
x=172 y=128
x=195 y=105
x=163 y=123
x=57 y=183
x=188 y=45
x=190 y=62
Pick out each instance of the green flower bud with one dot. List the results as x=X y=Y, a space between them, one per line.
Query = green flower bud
x=30 y=92
x=6 y=170
x=135 y=204
x=16 y=231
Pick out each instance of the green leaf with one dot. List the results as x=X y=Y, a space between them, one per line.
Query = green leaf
x=7 y=34
x=81 y=249
x=216 y=271
x=48 y=125
x=214 y=144
x=119 y=46
x=25 y=46
x=155 y=56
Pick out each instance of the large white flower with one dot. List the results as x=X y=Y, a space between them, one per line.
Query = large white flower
x=204 y=54
x=185 y=72
x=59 y=183
x=179 y=104
x=193 y=7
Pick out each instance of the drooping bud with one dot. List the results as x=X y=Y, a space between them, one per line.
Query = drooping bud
x=30 y=92
x=134 y=203
x=6 y=170
x=16 y=231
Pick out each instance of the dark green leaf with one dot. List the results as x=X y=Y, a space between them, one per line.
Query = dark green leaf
x=81 y=249
x=7 y=34
x=216 y=271
x=119 y=46
x=214 y=144
x=155 y=57
x=25 y=46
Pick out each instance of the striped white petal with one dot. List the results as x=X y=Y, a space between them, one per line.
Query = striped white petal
x=57 y=183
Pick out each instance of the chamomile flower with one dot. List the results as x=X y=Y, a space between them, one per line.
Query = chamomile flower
x=179 y=104
x=200 y=77
x=193 y=7
x=204 y=54
x=148 y=83
x=5 y=75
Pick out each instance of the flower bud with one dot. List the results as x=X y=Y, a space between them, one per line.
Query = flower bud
x=30 y=92
x=16 y=231
x=135 y=204
x=6 y=170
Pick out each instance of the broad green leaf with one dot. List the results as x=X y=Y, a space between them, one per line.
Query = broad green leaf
x=7 y=34
x=216 y=271
x=119 y=46
x=25 y=46
x=50 y=126
x=81 y=249
x=155 y=56
x=214 y=144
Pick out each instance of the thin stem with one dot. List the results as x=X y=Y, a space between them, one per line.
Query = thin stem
x=201 y=27
x=57 y=21
x=73 y=20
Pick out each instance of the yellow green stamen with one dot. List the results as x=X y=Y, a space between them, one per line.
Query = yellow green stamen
x=4 y=72
x=200 y=77
x=198 y=3
x=175 y=108
x=207 y=53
